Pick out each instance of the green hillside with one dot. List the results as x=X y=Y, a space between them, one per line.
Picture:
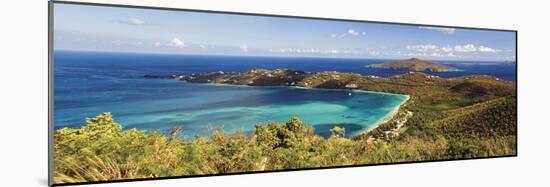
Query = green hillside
x=488 y=119
x=413 y=64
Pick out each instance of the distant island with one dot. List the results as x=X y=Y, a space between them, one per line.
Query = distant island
x=413 y=64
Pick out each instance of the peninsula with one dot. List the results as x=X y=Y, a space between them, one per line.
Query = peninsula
x=413 y=64
x=412 y=83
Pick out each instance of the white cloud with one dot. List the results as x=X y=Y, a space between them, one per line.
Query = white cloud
x=356 y=51
x=447 y=49
x=244 y=47
x=353 y=32
x=179 y=43
x=487 y=49
x=350 y=32
x=418 y=51
x=458 y=51
x=427 y=54
x=176 y=42
x=423 y=48
x=444 y=30
x=465 y=48
x=135 y=21
x=428 y=50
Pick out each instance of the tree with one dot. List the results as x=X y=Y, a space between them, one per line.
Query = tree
x=338 y=131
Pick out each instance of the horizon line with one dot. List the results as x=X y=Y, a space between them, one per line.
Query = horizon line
x=274 y=56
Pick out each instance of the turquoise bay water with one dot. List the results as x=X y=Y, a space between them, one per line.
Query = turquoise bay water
x=85 y=85
x=200 y=107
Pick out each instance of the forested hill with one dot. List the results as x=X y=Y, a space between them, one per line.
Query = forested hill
x=414 y=64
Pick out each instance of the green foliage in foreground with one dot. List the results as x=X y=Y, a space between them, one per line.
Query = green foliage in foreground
x=102 y=150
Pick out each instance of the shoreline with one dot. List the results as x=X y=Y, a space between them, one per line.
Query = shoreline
x=379 y=122
x=388 y=117
x=305 y=88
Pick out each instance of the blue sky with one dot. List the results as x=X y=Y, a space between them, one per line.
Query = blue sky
x=115 y=29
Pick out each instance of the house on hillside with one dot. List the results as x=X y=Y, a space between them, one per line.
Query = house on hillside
x=352 y=86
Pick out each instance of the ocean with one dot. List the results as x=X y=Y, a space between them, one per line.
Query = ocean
x=89 y=83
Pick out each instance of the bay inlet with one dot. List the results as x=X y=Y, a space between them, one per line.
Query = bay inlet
x=160 y=105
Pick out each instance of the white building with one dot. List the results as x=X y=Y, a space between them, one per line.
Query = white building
x=351 y=86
